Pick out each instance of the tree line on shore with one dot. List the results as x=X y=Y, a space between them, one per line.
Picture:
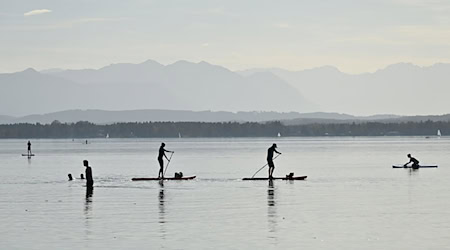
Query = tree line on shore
x=85 y=129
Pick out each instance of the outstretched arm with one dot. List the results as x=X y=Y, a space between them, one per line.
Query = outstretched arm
x=277 y=152
x=168 y=152
x=407 y=163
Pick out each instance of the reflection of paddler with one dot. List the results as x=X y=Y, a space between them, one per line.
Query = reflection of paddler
x=161 y=193
x=272 y=217
x=270 y=194
x=270 y=152
x=162 y=213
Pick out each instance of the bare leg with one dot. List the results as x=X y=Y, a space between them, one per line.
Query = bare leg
x=161 y=168
x=271 y=168
x=271 y=171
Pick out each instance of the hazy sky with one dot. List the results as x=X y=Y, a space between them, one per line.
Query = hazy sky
x=353 y=35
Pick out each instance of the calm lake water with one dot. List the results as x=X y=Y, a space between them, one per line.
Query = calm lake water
x=352 y=199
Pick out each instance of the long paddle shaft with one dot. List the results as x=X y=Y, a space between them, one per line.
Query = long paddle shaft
x=264 y=166
x=168 y=163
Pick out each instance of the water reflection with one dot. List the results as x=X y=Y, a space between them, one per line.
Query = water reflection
x=162 y=213
x=271 y=210
x=413 y=171
x=271 y=194
x=88 y=201
x=88 y=208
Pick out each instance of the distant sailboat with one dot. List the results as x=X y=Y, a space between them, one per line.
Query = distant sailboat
x=279 y=135
x=107 y=136
x=179 y=135
x=439 y=133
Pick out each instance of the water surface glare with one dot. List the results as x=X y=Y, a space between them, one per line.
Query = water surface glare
x=352 y=199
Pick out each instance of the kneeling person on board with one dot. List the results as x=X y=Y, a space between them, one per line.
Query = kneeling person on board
x=270 y=159
x=414 y=161
x=162 y=152
x=89 y=180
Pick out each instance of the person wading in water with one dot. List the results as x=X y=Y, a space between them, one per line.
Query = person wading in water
x=270 y=159
x=162 y=153
x=89 y=179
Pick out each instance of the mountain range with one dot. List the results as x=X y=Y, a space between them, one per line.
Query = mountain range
x=401 y=88
x=397 y=89
x=149 y=85
x=105 y=117
x=289 y=118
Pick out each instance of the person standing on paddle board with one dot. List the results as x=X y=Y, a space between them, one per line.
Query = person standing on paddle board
x=414 y=161
x=270 y=159
x=162 y=152
x=29 y=147
x=89 y=179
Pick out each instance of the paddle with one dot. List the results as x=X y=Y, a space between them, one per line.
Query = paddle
x=264 y=166
x=168 y=163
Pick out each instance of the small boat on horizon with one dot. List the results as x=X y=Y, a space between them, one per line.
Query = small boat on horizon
x=438 y=135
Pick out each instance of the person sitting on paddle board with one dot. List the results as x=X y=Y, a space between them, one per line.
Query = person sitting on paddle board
x=414 y=161
x=29 y=147
x=162 y=152
x=270 y=159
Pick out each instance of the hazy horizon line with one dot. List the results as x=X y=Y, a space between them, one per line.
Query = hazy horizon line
x=42 y=70
x=234 y=112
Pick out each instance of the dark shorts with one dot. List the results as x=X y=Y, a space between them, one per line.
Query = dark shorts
x=270 y=163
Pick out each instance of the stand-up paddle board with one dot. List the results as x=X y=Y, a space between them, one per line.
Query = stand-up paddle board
x=165 y=178
x=401 y=166
x=275 y=178
x=29 y=155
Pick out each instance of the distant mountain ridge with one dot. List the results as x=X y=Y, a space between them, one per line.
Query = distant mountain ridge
x=289 y=118
x=149 y=85
x=399 y=88
x=103 y=116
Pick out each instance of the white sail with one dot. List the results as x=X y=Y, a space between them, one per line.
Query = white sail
x=439 y=132
x=279 y=135
x=179 y=135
